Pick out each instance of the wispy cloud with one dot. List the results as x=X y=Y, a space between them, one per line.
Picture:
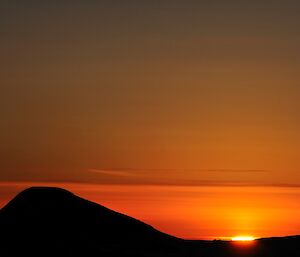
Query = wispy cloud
x=62 y=183
x=114 y=172
x=132 y=171
x=179 y=177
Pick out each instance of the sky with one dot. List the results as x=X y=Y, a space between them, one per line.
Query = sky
x=200 y=95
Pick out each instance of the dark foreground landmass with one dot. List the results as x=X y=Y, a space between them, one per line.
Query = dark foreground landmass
x=54 y=222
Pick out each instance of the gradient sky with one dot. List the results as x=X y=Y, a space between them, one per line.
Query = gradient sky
x=168 y=93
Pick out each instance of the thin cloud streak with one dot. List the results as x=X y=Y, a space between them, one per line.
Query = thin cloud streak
x=196 y=184
x=113 y=172
x=128 y=171
x=170 y=177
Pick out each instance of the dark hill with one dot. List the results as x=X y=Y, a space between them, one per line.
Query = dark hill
x=52 y=220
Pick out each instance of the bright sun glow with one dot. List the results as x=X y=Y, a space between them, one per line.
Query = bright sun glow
x=243 y=238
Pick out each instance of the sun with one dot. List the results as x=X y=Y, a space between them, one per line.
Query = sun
x=242 y=238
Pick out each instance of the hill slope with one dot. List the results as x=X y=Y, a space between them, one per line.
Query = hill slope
x=53 y=220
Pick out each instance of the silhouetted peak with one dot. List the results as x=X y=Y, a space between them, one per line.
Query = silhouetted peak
x=45 y=192
x=48 y=210
x=40 y=198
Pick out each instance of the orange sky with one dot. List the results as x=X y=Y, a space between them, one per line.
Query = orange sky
x=196 y=98
x=205 y=212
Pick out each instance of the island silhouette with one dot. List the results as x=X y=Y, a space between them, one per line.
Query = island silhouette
x=48 y=221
